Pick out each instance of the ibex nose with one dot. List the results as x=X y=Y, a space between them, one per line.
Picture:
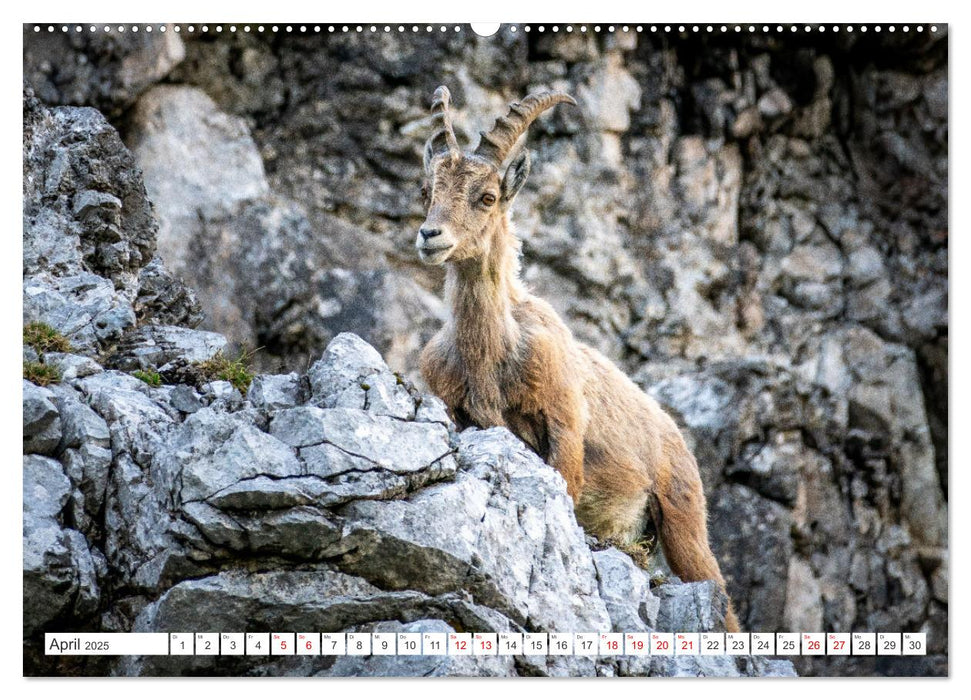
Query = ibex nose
x=427 y=233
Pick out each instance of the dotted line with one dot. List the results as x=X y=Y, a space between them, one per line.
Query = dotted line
x=428 y=28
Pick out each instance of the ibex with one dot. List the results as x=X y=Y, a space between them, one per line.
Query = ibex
x=504 y=357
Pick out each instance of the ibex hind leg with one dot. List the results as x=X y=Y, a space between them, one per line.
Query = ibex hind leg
x=682 y=524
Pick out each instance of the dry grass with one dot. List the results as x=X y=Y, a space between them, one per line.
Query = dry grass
x=43 y=338
x=237 y=372
x=41 y=374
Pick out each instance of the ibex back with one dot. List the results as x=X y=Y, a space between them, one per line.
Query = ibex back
x=504 y=357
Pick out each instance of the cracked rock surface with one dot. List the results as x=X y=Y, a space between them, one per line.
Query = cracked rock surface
x=337 y=499
x=145 y=511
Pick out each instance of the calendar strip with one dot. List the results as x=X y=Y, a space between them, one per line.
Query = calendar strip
x=487 y=644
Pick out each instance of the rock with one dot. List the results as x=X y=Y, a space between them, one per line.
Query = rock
x=89 y=227
x=233 y=240
x=388 y=444
x=775 y=103
x=177 y=129
x=691 y=607
x=107 y=70
x=165 y=348
x=742 y=521
x=300 y=532
x=321 y=600
x=222 y=394
x=609 y=94
x=746 y=123
x=165 y=299
x=59 y=573
x=72 y=366
x=439 y=552
x=337 y=302
x=803 y=599
x=212 y=450
x=433 y=410
x=393 y=523
x=42 y=423
x=774 y=469
x=104 y=209
x=86 y=455
x=626 y=591
x=185 y=399
x=695 y=666
x=84 y=308
x=337 y=376
x=275 y=392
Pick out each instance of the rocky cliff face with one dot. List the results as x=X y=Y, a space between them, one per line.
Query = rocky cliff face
x=754 y=227
x=340 y=499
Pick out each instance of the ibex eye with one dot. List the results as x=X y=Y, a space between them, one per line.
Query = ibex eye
x=488 y=199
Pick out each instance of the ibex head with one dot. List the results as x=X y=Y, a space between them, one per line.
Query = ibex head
x=465 y=194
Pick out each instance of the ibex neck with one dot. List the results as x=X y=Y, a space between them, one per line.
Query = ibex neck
x=482 y=294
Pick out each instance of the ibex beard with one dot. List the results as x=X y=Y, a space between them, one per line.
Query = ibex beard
x=505 y=358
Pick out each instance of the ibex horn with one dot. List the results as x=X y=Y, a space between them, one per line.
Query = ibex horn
x=443 y=139
x=496 y=145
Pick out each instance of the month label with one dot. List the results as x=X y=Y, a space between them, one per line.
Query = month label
x=106 y=643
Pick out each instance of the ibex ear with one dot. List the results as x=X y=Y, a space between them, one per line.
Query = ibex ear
x=515 y=176
x=428 y=156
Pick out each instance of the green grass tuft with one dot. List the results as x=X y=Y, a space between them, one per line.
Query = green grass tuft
x=150 y=377
x=41 y=374
x=43 y=338
x=237 y=372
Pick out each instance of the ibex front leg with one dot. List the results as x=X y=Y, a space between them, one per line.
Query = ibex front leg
x=565 y=427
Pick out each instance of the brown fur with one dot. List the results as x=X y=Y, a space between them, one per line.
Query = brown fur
x=504 y=358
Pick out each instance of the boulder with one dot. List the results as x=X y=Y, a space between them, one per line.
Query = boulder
x=102 y=69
